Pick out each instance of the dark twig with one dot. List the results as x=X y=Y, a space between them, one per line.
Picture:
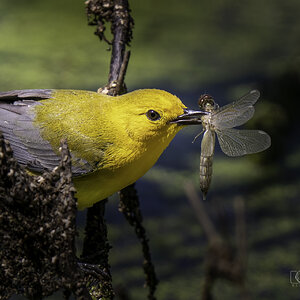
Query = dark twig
x=118 y=87
x=222 y=260
x=129 y=202
x=129 y=206
x=37 y=230
x=96 y=248
x=116 y=12
x=99 y=12
x=121 y=87
x=121 y=28
x=201 y=214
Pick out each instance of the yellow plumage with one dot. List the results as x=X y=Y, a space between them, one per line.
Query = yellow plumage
x=112 y=133
x=113 y=140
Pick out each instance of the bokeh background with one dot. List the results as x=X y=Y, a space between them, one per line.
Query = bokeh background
x=224 y=48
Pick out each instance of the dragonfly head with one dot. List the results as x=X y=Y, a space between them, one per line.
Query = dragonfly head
x=207 y=103
x=189 y=117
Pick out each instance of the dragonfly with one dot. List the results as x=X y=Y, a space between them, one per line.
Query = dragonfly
x=219 y=121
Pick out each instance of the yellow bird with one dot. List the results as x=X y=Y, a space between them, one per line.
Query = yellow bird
x=113 y=140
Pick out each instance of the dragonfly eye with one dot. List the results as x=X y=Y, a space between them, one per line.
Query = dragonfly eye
x=206 y=102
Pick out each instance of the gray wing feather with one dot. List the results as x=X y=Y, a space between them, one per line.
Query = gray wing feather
x=17 y=126
x=30 y=149
x=23 y=94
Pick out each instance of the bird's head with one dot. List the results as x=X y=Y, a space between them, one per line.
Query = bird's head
x=154 y=114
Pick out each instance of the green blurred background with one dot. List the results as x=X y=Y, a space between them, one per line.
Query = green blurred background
x=224 y=48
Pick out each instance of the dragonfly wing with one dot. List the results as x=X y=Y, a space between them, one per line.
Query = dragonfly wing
x=234 y=142
x=235 y=113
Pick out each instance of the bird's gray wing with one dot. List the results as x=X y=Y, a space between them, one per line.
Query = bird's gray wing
x=15 y=95
x=17 y=125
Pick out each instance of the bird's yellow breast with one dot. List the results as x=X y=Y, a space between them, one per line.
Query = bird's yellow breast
x=106 y=181
x=112 y=134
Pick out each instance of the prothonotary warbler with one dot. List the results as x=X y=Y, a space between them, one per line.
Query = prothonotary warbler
x=113 y=140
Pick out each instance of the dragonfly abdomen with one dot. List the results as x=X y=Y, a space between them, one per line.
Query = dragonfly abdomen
x=205 y=173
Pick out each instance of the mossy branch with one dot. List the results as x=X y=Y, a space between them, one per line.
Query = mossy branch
x=117 y=13
x=37 y=230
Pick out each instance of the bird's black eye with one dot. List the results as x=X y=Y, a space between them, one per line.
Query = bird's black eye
x=152 y=115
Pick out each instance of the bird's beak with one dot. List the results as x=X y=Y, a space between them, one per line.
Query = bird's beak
x=190 y=117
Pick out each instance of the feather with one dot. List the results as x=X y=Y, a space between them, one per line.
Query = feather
x=18 y=127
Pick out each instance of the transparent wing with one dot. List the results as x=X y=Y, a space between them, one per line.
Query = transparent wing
x=236 y=142
x=235 y=113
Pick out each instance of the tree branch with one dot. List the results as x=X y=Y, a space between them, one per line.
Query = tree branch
x=96 y=249
x=37 y=230
x=117 y=12
x=201 y=214
x=129 y=206
x=222 y=259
